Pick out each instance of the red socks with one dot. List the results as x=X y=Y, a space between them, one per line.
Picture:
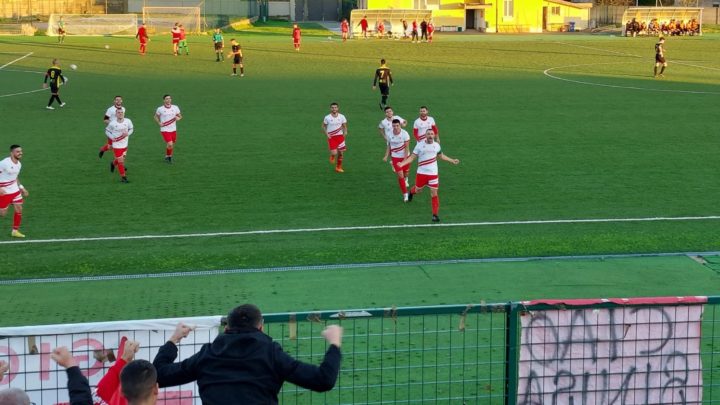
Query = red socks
x=121 y=169
x=339 y=161
x=168 y=151
x=17 y=219
x=105 y=148
x=403 y=187
x=435 y=205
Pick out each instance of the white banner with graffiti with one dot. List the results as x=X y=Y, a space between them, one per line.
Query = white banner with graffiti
x=643 y=351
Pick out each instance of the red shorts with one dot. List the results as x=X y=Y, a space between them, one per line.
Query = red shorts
x=396 y=168
x=430 y=180
x=12 y=198
x=143 y=40
x=337 y=142
x=169 y=136
x=176 y=40
x=296 y=41
x=120 y=152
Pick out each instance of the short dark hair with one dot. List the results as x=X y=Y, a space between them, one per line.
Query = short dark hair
x=13 y=147
x=422 y=106
x=244 y=316
x=396 y=121
x=166 y=95
x=137 y=380
x=382 y=61
x=333 y=103
x=387 y=108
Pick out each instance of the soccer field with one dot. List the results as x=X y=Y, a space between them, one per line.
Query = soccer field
x=568 y=146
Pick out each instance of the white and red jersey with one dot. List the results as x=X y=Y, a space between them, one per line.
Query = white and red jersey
x=9 y=172
x=334 y=124
x=386 y=124
x=427 y=154
x=167 y=116
x=175 y=31
x=397 y=143
x=118 y=133
x=422 y=125
x=111 y=111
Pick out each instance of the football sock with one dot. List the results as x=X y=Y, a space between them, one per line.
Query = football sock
x=58 y=99
x=242 y=70
x=655 y=71
x=435 y=205
x=121 y=169
x=17 y=219
x=51 y=100
x=339 y=160
x=662 y=70
x=384 y=100
x=235 y=70
x=413 y=190
x=105 y=148
x=403 y=187
x=168 y=151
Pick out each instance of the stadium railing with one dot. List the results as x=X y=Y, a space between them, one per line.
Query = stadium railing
x=650 y=350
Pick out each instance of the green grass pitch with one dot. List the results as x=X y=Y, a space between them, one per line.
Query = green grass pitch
x=601 y=140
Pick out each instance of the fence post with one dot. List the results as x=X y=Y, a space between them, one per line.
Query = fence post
x=511 y=353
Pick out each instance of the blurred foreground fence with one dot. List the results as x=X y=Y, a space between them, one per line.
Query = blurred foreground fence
x=616 y=351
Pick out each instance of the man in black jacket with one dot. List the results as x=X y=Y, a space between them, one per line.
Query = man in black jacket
x=244 y=364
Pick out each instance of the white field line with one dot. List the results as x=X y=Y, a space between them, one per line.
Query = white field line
x=196 y=273
x=360 y=228
x=15 y=60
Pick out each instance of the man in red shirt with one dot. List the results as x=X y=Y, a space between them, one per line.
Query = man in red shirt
x=296 y=34
x=364 y=26
x=142 y=36
x=175 y=38
x=344 y=28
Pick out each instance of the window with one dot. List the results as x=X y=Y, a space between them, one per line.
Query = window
x=555 y=10
x=508 y=8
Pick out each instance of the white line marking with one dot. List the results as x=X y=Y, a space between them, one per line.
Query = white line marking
x=195 y=273
x=361 y=228
x=15 y=60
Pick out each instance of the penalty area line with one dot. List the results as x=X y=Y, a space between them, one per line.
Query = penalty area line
x=360 y=228
x=15 y=60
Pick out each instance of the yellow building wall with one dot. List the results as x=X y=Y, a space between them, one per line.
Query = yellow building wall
x=383 y=4
x=580 y=16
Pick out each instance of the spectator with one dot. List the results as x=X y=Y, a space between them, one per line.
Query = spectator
x=14 y=396
x=78 y=386
x=108 y=389
x=244 y=363
x=139 y=383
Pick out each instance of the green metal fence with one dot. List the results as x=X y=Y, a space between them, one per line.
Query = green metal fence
x=466 y=354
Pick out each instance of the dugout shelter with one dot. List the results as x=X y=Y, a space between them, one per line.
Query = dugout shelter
x=392 y=18
x=662 y=14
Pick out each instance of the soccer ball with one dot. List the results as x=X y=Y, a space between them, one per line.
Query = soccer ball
x=107 y=46
x=73 y=67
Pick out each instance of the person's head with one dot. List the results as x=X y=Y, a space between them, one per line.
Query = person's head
x=167 y=100
x=334 y=108
x=14 y=396
x=117 y=101
x=389 y=112
x=382 y=61
x=120 y=115
x=56 y=62
x=138 y=380
x=429 y=136
x=180 y=25
x=396 y=126
x=244 y=316
x=16 y=152
x=423 y=112
x=294 y=25
x=662 y=40
x=344 y=19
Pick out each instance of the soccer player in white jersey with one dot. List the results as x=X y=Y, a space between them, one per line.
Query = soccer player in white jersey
x=398 y=142
x=118 y=132
x=11 y=191
x=110 y=116
x=422 y=124
x=385 y=128
x=426 y=153
x=166 y=116
x=334 y=126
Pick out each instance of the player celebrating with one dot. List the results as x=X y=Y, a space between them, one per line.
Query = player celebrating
x=383 y=77
x=183 y=42
x=142 y=36
x=54 y=75
x=334 y=126
x=385 y=128
x=423 y=124
x=61 y=30
x=660 y=57
x=397 y=145
x=236 y=53
x=166 y=116
x=219 y=44
x=111 y=115
x=296 y=35
x=344 y=28
x=427 y=153
x=118 y=132
x=175 y=38
x=11 y=191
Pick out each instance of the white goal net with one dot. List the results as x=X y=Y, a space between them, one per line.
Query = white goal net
x=93 y=24
x=160 y=20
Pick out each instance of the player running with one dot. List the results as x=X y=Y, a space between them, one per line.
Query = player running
x=423 y=124
x=236 y=53
x=660 y=57
x=364 y=26
x=334 y=126
x=55 y=77
x=167 y=115
x=118 y=132
x=11 y=191
x=111 y=115
x=398 y=142
x=218 y=44
x=427 y=153
x=297 y=36
x=384 y=78
x=142 y=36
x=385 y=128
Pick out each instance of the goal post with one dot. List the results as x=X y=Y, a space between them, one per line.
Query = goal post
x=160 y=20
x=94 y=24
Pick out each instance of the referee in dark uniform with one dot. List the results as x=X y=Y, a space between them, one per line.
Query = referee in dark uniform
x=383 y=77
x=55 y=77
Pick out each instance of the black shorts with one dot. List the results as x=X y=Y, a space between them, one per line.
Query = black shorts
x=218 y=46
x=659 y=59
x=54 y=88
x=384 y=89
x=237 y=60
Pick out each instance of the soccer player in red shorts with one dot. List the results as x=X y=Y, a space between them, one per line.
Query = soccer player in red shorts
x=334 y=126
x=11 y=191
x=297 y=35
x=142 y=36
x=119 y=131
x=398 y=142
x=427 y=153
x=175 y=38
x=166 y=116
x=110 y=115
